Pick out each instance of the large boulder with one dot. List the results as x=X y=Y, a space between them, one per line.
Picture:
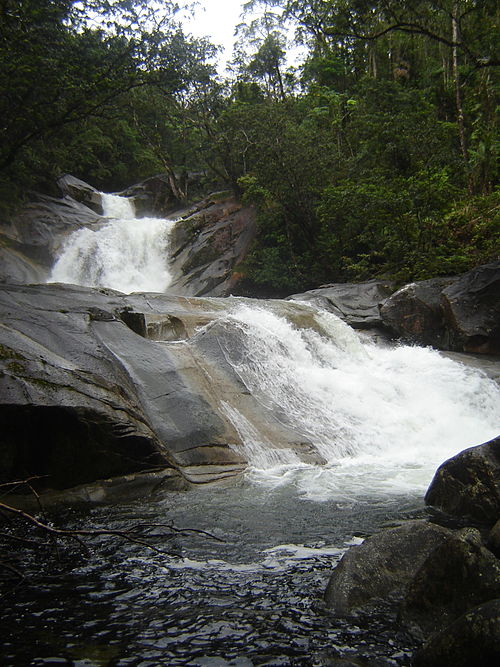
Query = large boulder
x=357 y=304
x=380 y=570
x=467 y=486
x=153 y=196
x=84 y=397
x=472 y=310
x=460 y=314
x=459 y=574
x=94 y=384
x=414 y=312
x=473 y=639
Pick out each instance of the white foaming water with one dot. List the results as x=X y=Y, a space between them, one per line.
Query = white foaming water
x=383 y=419
x=127 y=253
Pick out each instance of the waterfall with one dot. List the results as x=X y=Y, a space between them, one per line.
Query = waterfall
x=126 y=253
x=381 y=417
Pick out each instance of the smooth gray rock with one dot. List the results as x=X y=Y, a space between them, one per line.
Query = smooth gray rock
x=68 y=408
x=461 y=313
x=95 y=384
x=473 y=640
x=472 y=310
x=16 y=267
x=81 y=192
x=357 y=304
x=379 y=571
x=467 y=486
x=84 y=397
x=30 y=242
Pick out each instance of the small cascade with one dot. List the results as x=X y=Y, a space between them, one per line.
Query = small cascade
x=381 y=417
x=126 y=253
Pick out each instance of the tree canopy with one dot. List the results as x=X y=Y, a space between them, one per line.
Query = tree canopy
x=375 y=157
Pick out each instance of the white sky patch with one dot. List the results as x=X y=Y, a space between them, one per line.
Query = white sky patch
x=217 y=20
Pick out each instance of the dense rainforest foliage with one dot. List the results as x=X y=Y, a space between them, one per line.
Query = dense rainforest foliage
x=375 y=157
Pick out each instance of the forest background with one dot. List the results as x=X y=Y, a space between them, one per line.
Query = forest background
x=377 y=157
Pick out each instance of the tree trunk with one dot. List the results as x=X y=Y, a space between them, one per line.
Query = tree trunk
x=458 y=93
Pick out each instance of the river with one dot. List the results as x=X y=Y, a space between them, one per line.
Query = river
x=381 y=419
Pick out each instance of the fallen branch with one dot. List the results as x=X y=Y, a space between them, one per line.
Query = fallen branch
x=77 y=534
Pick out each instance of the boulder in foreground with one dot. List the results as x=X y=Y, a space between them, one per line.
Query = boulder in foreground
x=468 y=485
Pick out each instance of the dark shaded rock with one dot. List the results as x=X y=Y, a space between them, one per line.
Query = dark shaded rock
x=380 y=570
x=112 y=490
x=357 y=304
x=207 y=244
x=349 y=662
x=460 y=573
x=493 y=542
x=460 y=314
x=472 y=310
x=153 y=196
x=81 y=192
x=468 y=484
x=473 y=640
x=414 y=313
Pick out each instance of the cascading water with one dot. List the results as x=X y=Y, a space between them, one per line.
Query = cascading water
x=128 y=254
x=382 y=418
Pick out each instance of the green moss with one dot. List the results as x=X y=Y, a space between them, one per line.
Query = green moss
x=15 y=367
x=9 y=353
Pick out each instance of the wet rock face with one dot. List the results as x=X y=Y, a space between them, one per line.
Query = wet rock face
x=29 y=244
x=415 y=313
x=468 y=484
x=207 y=244
x=81 y=192
x=94 y=383
x=357 y=304
x=68 y=409
x=460 y=573
x=471 y=306
x=460 y=314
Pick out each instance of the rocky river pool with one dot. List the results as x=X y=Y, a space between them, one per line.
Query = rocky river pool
x=339 y=437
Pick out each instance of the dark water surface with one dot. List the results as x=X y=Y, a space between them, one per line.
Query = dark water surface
x=254 y=599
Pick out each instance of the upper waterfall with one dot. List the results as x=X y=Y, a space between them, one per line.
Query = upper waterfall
x=126 y=253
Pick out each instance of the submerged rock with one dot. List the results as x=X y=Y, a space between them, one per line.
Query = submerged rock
x=468 y=485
